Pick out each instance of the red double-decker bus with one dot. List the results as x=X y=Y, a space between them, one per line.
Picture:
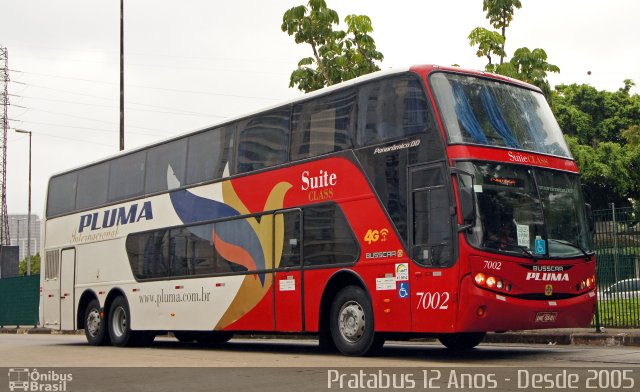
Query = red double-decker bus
x=422 y=201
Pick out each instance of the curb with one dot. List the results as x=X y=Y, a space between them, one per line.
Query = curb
x=37 y=331
x=578 y=338
x=524 y=337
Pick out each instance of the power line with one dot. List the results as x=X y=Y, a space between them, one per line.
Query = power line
x=173 y=110
x=91 y=119
x=72 y=139
x=113 y=106
x=152 y=87
x=84 y=128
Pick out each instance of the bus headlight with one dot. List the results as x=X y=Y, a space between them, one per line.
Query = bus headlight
x=491 y=282
x=586 y=283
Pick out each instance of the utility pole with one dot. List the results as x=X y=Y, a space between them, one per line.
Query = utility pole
x=121 y=75
x=4 y=101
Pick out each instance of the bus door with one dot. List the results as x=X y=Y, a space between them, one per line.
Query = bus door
x=433 y=283
x=51 y=290
x=288 y=277
x=67 y=288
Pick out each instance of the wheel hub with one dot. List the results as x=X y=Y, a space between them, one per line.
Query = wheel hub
x=351 y=321
x=119 y=323
x=93 y=322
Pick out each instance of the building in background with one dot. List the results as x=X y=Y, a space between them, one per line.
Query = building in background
x=18 y=233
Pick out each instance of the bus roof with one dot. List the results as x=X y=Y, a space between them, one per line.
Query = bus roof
x=419 y=69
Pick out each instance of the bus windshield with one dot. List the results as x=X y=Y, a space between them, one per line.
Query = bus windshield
x=528 y=211
x=481 y=111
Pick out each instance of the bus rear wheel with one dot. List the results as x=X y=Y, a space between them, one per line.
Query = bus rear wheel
x=462 y=341
x=351 y=322
x=95 y=326
x=120 y=326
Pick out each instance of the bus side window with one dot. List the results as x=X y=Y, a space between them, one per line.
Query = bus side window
x=391 y=109
x=92 y=186
x=323 y=125
x=328 y=238
x=166 y=166
x=263 y=141
x=62 y=194
x=208 y=154
x=291 y=241
x=432 y=223
x=126 y=177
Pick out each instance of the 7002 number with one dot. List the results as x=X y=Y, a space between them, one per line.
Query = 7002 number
x=433 y=301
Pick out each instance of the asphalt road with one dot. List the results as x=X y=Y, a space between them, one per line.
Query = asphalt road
x=291 y=365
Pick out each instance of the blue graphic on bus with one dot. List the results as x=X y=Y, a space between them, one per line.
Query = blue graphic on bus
x=403 y=289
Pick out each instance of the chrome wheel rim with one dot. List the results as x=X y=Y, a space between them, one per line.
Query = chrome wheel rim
x=119 y=323
x=351 y=321
x=93 y=322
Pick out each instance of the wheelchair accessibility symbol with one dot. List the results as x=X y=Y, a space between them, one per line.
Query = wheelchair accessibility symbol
x=403 y=289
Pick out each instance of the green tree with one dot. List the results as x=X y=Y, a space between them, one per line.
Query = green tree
x=602 y=129
x=500 y=14
x=489 y=43
x=530 y=66
x=527 y=65
x=35 y=265
x=336 y=55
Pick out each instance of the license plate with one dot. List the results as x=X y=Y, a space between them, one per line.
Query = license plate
x=546 y=317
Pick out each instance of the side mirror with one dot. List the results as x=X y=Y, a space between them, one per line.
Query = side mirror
x=590 y=219
x=467 y=204
x=467 y=198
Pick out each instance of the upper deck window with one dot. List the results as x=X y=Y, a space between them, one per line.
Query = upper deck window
x=391 y=109
x=482 y=111
x=92 y=186
x=126 y=177
x=323 y=125
x=263 y=141
x=208 y=154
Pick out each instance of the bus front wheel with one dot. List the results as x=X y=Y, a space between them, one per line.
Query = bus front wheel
x=351 y=322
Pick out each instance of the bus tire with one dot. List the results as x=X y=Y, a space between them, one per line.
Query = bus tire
x=120 y=325
x=461 y=341
x=95 y=326
x=351 y=322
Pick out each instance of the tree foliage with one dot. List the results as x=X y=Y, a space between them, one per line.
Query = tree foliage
x=35 y=265
x=500 y=14
x=337 y=55
x=489 y=43
x=527 y=65
x=602 y=129
x=530 y=66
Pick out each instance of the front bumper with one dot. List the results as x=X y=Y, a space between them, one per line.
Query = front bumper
x=503 y=313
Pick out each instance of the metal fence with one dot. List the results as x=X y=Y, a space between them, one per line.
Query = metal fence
x=617 y=244
x=19 y=299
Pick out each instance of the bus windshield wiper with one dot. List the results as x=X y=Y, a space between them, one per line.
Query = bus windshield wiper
x=575 y=246
x=507 y=245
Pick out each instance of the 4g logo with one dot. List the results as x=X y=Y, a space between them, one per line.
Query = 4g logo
x=376 y=235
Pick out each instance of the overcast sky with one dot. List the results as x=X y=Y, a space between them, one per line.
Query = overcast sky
x=192 y=63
